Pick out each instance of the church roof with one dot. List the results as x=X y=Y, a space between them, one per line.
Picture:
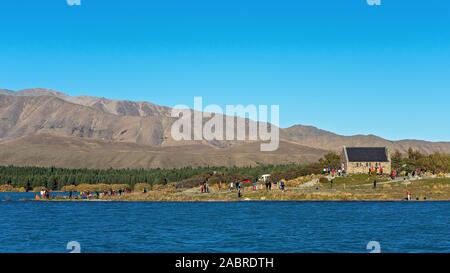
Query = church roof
x=367 y=154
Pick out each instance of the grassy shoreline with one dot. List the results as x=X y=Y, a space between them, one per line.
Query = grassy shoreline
x=349 y=189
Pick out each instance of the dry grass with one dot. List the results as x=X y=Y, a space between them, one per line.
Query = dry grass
x=301 y=180
x=141 y=186
x=95 y=187
x=429 y=189
x=9 y=188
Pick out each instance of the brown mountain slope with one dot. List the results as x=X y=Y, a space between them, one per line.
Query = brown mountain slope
x=23 y=116
x=121 y=108
x=74 y=152
x=47 y=127
x=313 y=137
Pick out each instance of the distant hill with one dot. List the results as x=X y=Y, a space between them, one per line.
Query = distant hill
x=49 y=128
x=317 y=138
x=6 y=92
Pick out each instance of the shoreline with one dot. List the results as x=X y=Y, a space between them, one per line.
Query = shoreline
x=238 y=201
x=173 y=199
x=348 y=189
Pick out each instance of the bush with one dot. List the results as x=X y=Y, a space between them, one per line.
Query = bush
x=324 y=180
x=141 y=186
x=436 y=163
x=6 y=188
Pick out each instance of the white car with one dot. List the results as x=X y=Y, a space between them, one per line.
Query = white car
x=264 y=178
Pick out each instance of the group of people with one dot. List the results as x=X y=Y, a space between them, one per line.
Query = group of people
x=86 y=195
x=204 y=187
x=239 y=185
x=376 y=170
x=235 y=185
x=43 y=194
x=417 y=172
x=409 y=197
x=97 y=194
x=333 y=172
x=280 y=185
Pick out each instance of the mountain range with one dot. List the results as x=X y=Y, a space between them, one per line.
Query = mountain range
x=42 y=127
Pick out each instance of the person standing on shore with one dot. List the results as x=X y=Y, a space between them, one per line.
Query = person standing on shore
x=408 y=196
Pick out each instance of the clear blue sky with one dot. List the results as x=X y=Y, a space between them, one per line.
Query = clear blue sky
x=340 y=65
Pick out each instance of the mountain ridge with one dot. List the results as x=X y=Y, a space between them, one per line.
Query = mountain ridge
x=29 y=114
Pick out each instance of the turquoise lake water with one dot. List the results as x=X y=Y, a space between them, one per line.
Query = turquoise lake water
x=298 y=227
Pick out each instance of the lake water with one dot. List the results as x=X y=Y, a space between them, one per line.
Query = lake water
x=223 y=227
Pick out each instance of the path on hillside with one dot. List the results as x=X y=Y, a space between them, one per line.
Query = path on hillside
x=315 y=182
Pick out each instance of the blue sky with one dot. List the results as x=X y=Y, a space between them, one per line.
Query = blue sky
x=343 y=66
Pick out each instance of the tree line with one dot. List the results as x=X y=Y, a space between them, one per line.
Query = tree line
x=56 y=178
x=414 y=160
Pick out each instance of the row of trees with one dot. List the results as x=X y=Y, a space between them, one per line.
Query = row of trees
x=413 y=160
x=56 y=178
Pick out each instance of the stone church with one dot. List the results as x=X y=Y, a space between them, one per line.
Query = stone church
x=366 y=159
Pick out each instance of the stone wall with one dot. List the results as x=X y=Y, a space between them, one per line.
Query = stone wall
x=363 y=167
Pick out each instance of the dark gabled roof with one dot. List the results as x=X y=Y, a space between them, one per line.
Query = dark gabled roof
x=367 y=154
